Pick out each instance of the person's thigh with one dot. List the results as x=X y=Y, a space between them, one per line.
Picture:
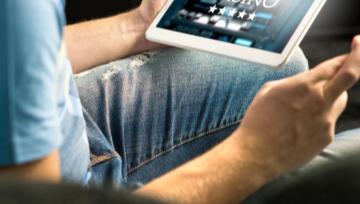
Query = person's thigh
x=331 y=177
x=160 y=109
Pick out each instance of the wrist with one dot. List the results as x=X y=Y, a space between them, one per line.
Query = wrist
x=143 y=17
x=132 y=26
x=131 y=23
x=260 y=165
x=135 y=27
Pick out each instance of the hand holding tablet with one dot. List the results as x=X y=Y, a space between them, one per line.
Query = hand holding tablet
x=260 y=31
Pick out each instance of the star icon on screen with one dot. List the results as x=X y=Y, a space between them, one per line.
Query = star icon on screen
x=232 y=12
x=222 y=11
x=252 y=16
x=242 y=14
x=213 y=9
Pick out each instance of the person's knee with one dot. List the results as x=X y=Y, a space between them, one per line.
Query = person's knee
x=296 y=63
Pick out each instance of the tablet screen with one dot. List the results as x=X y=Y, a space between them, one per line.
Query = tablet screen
x=261 y=24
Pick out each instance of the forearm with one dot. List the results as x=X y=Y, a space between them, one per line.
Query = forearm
x=226 y=174
x=44 y=170
x=97 y=42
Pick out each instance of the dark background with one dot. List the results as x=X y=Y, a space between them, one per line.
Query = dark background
x=330 y=35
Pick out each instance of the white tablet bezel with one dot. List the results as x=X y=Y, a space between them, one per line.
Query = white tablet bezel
x=187 y=41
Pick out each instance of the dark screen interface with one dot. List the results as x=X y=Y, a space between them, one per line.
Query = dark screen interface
x=262 y=24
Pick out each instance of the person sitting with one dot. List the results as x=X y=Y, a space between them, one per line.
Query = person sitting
x=190 y=127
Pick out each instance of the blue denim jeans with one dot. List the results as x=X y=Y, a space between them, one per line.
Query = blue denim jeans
x=152 y=112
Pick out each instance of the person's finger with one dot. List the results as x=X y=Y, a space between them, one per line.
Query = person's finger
x=327 y=69
x=355 y=42
x=347 y=75
x=340 y=105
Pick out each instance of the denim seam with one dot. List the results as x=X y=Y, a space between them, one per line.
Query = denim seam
x=95 y=159
x=172 y=147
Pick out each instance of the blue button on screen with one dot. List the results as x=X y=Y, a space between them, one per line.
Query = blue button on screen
x=244 y=42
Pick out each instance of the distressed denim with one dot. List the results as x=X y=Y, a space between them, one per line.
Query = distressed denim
x=152 y=112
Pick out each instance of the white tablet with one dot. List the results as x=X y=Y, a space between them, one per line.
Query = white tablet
x=260 y=31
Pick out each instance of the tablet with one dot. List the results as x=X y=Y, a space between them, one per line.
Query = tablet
x=260 y=31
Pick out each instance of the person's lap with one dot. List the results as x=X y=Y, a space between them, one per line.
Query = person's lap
x=151 y=104
x=151 y=112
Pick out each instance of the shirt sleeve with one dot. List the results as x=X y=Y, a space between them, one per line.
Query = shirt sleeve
x=30 y=39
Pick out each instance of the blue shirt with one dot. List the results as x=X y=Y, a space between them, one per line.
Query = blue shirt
x=40 y=110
